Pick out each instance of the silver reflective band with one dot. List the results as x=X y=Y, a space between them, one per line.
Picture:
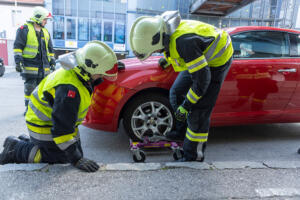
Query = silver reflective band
x=65 y=145
x=41 y=137
x=18 y=53
x=32 y=154
x=38 y=113
x=197 y=64
x=31 y=46
x=30 y=71
x=192 y=97
x=35 y=94
x=212 y=49
x=220 y=53
x=29 y=53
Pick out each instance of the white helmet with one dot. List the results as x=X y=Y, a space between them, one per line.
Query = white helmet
x=146 y=36
x=98 y=58
x=39 y=14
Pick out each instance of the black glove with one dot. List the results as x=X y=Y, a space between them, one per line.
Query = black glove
x=86 y=165
x=19 y=67
x=52 y=65
x=163 y=63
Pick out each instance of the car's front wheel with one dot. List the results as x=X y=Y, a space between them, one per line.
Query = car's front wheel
x=147 y=115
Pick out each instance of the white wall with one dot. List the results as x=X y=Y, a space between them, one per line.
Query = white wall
x=11 y=20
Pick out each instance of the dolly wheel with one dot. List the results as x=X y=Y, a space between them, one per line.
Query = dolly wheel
x=178 y=154
x=299 y=151
x=139 y=156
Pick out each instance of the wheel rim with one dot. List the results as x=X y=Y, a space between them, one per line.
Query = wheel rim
x=151 y=118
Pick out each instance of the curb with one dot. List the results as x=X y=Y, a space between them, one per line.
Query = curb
x=161 y=166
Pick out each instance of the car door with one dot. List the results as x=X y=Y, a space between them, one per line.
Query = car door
x=260 y=83
x=292 y=111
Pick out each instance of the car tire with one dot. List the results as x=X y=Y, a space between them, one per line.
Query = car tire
x=2 y=70
x=147 y=115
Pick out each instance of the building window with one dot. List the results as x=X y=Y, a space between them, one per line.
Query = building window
x=96 y=9
x=83 y=8
x=58 y=27
x=71 y=8
x=96 y=29
x=120 y=33
x=83 y=29
x=71 y=29
x=58 y=7
x=108 y=31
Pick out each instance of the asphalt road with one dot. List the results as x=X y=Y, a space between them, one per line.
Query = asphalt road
x=256 y=143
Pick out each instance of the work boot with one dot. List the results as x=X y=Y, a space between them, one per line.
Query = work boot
x=24 y=137
x=8 y=153
x=185 y=159
x=175 y=136
x=179 y=133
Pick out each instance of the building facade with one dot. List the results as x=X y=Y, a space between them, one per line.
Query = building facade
x=75 y=22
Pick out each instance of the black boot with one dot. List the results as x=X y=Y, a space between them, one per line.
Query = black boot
x=179 y=133
x=24 y=137
x=8 y=153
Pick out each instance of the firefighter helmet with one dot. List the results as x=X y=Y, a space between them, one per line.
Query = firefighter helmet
x=39 y=14
x=98 y=58
x=146 y=36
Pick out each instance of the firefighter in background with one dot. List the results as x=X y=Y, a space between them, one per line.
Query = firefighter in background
x=57 y=107
x=33 y=51
x=202 y=54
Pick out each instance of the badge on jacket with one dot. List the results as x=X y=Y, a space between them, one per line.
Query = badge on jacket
x=71 y=93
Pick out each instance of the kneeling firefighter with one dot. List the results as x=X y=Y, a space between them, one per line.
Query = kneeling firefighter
x=202 y=54
x=58 y=106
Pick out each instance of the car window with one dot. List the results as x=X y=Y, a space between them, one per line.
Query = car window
x=260 y=44
x=295 y=45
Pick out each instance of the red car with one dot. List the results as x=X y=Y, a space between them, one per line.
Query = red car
x=262 y=86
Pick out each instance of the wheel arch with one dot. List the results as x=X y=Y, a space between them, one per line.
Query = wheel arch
x=156 y=90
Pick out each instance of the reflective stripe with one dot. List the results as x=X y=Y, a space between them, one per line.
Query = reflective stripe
x=212 y=48
x=40 y=130
x=36 y=96
x=31 y=46
x=30 y=72
x=38 y=113
x=196 y=137
x=27 y=97
x=51 y=54
x=31 y=68
x=192 y=97
x=220 y=53
x=63 y=142
x=17 y=53
x=18 y=50
x=32 y=154
x=40 y=137
x=196 y=64
x=37 y=157
x=29 y=52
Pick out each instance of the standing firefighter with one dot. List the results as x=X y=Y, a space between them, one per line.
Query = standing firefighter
x=34 y=55
x=202 y=54
x=57 y=107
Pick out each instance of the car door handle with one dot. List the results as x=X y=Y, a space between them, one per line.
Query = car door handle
x=287 y=70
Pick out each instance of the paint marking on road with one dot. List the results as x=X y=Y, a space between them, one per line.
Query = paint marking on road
x=277 y=192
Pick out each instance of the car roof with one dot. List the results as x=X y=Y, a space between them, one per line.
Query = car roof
x=239 y=29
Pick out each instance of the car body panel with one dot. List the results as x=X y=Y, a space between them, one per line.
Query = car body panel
x=254 y=90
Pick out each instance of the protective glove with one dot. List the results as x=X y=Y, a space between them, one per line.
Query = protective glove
x=19 y=67
x=163 y=63
x=52 y=68
x=86 y=165
x=181 y=114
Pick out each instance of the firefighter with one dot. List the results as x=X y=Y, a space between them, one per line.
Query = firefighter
x=202 y=54
x=33 y=51
x=57 y=107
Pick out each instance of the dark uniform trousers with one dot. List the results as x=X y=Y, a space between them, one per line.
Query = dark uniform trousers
x=199 y=116
x=29 y=85
x=25 y=152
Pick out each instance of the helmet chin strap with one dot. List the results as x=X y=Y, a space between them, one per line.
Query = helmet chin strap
x=82 y=73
